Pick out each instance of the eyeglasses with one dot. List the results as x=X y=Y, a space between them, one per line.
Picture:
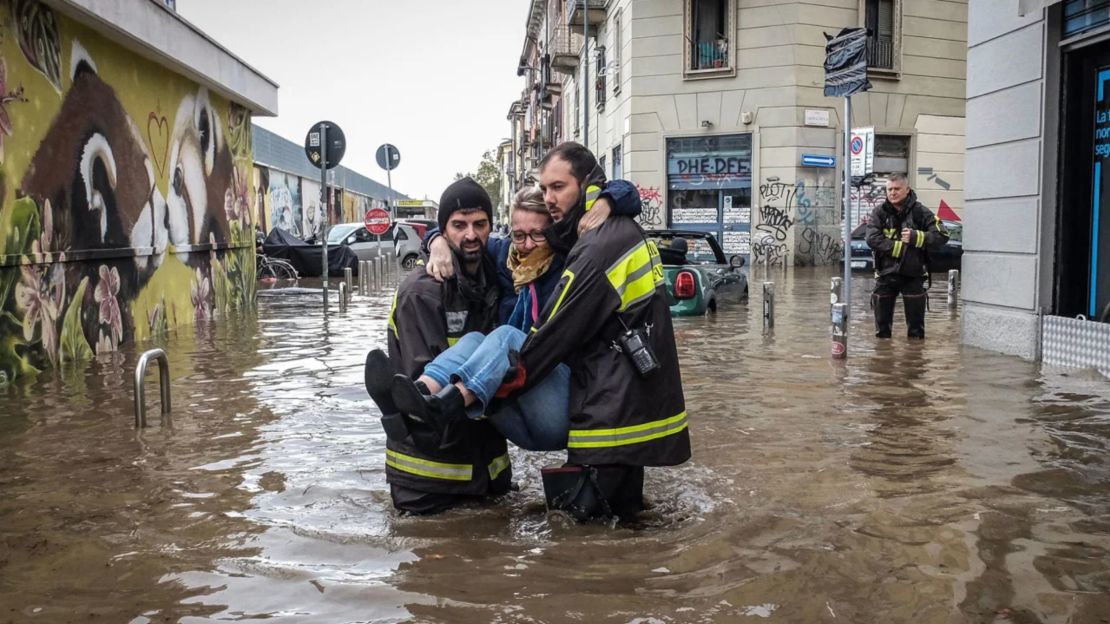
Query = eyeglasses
x=537 y=236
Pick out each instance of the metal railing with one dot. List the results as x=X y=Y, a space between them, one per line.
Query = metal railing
x=163 y=384
x=709 y=54
x=880 y=52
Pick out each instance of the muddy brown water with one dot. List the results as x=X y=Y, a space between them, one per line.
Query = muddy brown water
x=916 y=482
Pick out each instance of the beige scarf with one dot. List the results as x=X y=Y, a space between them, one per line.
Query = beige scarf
x=526 y=269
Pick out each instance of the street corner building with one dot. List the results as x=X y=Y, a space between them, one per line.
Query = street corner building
x=125 y=169
x=715 y=110
x=1037 y=245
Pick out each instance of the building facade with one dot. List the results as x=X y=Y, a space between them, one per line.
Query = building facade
x=1037 y=251
x=124 y=178
x=287 y=189
x=710 y=105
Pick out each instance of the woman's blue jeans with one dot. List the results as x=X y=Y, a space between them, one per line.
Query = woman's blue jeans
x=536 y=420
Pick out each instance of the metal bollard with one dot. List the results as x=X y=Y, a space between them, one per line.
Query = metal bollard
x=342 y=296
x=163 y=384
x=363 y=278
x=348 y=275
x=836 y=291
x=840 y=331
x=379 y=283
x=953 y=288
x=768 y=306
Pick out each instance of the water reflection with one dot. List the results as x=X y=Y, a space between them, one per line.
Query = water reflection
x=920 y=481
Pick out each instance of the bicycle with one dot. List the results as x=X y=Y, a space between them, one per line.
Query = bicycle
x=273 y=268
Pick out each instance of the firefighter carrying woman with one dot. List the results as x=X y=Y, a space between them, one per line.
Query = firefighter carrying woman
x=559 y=337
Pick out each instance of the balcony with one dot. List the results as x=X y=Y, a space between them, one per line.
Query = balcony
x=577 y=13
x=565 y=49
x=550 y=94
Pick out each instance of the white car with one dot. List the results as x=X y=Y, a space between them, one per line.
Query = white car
x=400 y=239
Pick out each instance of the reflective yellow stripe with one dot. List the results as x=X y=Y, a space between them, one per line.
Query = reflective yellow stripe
x=452 y=341
x=920 y=238
x=426 y=468
x=897 y=253
x=636 y=274
x=890 y=232
x=392 y=311
x=498 y=465
x=623 y=436
x=592 y=193
x=562 y=294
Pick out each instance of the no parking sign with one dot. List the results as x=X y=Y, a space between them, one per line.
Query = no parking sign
x=862 y=148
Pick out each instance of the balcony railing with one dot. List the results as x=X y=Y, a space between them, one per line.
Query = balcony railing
x=576 y=14
x=709 y=54
x=880 y=52
x=565 y=49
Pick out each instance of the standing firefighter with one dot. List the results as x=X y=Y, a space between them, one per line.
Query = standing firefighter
x=471 y=461
x=900 y=232
x=610 y=322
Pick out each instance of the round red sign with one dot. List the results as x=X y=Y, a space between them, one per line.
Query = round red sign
x=377 y=221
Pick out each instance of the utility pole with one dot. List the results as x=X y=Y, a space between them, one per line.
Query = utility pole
x=586 y=74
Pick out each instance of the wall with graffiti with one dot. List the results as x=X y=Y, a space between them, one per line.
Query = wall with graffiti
x=125 y=195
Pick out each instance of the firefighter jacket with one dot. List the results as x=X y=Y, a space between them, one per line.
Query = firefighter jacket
x=426 y=318
x=884 y=236
x=613 y=274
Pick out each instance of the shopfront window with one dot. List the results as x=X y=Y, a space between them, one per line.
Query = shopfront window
x=1083 y=15
x=709 y=188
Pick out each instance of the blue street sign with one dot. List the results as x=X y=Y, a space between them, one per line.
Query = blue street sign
x=818 y=160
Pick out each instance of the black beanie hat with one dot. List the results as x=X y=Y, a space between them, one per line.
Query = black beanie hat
x=464 y=194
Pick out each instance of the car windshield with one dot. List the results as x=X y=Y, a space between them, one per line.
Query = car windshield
x=340 y=232
x=696 y=250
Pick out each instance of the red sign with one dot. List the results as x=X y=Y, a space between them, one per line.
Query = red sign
x=377 y=221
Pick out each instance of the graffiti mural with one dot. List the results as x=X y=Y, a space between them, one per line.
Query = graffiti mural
x=125 y=195
x=652 y=201
x=285 y=202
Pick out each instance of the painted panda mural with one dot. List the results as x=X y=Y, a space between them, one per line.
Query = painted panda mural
x=200 y=171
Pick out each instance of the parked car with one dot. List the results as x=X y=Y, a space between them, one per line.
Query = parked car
x=941 y=261
x=420 y=225
x=699 y=277
x=401 y=238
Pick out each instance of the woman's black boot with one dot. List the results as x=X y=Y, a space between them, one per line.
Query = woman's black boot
x=439 y=410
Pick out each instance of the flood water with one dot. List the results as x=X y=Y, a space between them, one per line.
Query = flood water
x=915 y=482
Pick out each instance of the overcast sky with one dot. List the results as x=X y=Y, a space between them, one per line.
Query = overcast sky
x=433 y=77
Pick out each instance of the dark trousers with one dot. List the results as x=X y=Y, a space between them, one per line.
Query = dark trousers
x=885 y=295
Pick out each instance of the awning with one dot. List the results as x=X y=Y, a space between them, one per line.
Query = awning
x=1026 y=7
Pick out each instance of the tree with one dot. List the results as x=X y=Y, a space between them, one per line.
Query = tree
x=489 y=176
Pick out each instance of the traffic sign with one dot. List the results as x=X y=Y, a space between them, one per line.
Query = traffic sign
x=388 y=157
x=337 y=144
x=377 y=221
x=818 y=160
x=862 y=148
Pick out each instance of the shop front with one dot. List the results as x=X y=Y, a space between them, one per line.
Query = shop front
x=709 y=188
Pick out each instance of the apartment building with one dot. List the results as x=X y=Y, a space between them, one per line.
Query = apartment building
x=710 y=105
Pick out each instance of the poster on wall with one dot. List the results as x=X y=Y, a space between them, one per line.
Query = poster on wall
x=737 y=243
x=285 y=202
x=313 y=212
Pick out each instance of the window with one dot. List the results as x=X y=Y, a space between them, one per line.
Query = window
x=617 y=44
x=892 y=153
x=599 y=78
x=617 y=164
x=1083 y=15
x=883 y=20
x=601 y=165
x=708 y=29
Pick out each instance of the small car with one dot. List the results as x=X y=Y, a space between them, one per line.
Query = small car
x=941 y=261
x=405 y=241
x=699 y=277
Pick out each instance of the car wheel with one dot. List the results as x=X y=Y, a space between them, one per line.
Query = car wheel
x=408 y=262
